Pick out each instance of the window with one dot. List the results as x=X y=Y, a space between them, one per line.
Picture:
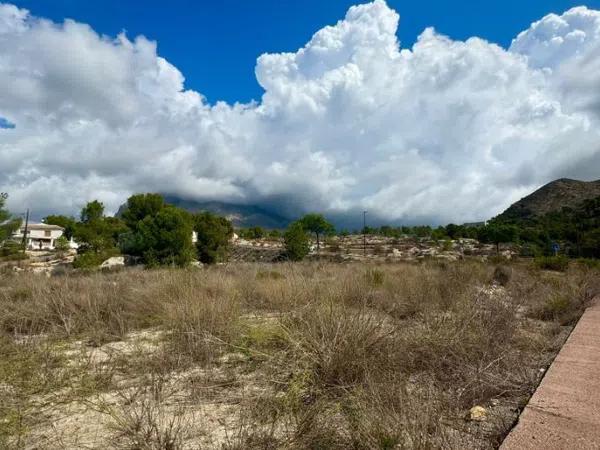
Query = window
x=47 y=233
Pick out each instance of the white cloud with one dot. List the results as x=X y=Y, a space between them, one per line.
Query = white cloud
x=445 y=131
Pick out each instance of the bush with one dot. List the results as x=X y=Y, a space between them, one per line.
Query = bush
x=11 y=248
x=590 y=263
x=90 y=260
x=557 y=263
x=296 y=242
x=502 y=275
x=555 y=307
x=252 y=233
x=214 y=233
x=337 y=345
x=62 y=244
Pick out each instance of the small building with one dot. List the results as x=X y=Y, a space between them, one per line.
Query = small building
x=40 y=236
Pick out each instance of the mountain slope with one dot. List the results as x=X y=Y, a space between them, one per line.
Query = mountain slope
x=240 y=215
x=552 y=197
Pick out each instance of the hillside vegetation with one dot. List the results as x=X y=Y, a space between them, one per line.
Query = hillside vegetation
x=564 y=212
x=552 y=197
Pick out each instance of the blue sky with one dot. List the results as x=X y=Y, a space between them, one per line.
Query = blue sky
x=454 y=131
x=215 y=43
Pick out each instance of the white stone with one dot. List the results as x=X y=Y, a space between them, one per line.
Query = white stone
x=115 y=261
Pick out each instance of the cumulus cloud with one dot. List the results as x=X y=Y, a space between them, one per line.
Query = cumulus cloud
x=445 y=131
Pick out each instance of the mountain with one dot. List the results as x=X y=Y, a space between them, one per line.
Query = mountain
x=552 y=197
x=240 y=215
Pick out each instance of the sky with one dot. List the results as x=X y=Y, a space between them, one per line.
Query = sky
x=429 y=112
x=231 y=34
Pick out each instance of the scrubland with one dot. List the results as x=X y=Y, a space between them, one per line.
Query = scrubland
x=293 y=356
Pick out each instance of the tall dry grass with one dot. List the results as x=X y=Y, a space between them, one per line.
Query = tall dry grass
x=340 y=355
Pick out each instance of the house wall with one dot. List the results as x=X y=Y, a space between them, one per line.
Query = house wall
x=39 y=238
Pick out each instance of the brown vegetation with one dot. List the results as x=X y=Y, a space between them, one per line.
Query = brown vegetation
x=320 y=356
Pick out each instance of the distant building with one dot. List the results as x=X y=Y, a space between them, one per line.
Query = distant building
x=40 y=236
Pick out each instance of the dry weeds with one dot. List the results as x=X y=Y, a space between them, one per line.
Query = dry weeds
x=248 y=356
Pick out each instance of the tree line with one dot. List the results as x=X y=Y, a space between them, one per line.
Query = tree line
x=161 y=234
x=148 y=228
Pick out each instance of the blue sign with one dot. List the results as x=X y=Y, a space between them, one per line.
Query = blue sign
x=555 y=247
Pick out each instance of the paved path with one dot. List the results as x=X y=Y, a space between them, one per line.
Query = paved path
x=564 y=411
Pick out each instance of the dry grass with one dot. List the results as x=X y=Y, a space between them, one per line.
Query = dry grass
x=279 y=356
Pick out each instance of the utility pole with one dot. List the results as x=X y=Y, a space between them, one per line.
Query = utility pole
x=25 y=232
x=365 y=233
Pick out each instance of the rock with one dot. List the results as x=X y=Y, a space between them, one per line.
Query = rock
x=413 y=251
x=478 y=413
x=115 y=261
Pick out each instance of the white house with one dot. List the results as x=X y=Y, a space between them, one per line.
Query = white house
x=40 y=236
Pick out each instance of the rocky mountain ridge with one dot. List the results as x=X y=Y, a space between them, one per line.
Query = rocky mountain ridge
x=552 y=197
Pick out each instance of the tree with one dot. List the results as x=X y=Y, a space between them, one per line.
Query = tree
x=140 y=206
x=252 y=233
x=275 y=234
x=498 y=234
x=159 y=233
x=454 y=231
x=68 y=223
x=94 y=210
x=213 y=237
x=8 y=223
x=96 y=233
x=439 y=233
x=296 y=242
x=317 y=224
x=165 y=238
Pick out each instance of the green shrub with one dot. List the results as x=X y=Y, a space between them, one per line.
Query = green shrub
x=555 y=307
x=214 y=235
x=296 y=242
x=62 y=244
x=590 y=263
x=557 y=263
x=11 y=248
x=90 y=260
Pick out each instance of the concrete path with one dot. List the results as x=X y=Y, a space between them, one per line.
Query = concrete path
x=564 y=411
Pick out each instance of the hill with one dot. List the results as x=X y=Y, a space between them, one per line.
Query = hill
x=239 y=215
x=550 y=198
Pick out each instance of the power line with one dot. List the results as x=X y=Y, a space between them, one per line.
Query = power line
x=25 y=231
